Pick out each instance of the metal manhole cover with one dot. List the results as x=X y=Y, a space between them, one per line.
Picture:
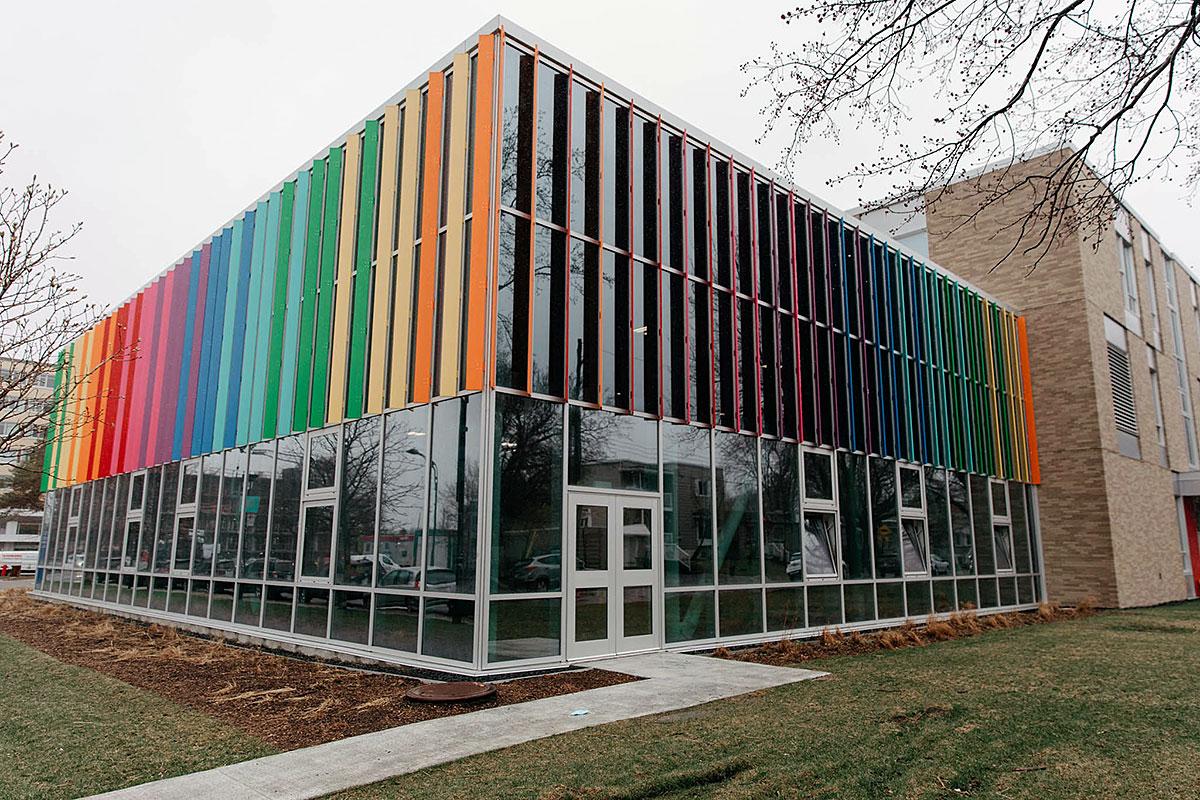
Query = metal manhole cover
x=457 y=692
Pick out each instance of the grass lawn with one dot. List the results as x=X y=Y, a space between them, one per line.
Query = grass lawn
x=67 y=731
x=1107 y=706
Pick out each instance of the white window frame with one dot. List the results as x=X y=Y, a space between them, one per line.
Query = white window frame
x=818 y=505
x=1006 y=521
x=914 y=514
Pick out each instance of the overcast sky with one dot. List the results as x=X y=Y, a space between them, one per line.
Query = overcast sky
x=165 y=119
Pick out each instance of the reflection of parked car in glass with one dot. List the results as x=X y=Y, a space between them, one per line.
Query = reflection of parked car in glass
x=795 y=567
x=541 y=572
x=939 y=565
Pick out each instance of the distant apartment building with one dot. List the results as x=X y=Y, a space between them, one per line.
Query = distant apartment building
x=1114 y=338
x=22 y=399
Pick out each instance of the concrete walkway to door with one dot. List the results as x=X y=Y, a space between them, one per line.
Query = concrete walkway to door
x=672 y=681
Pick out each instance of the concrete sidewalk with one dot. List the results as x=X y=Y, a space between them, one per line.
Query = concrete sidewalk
x=672 y=681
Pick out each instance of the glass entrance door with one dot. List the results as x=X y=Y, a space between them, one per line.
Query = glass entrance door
x=612 y=583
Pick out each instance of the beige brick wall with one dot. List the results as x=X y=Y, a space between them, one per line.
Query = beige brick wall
x=1108 y=521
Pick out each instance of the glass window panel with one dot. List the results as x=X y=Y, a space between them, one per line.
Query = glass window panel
x=585 y=160
x=521 y=629
x=221 y=607
x=1020 y=530
x=204 y=539
x=853 y=502
x=785 y=609
x=747 y=368
x=454 y=494
x=584 y=339
x=552 y=144
x=158 y=592
x=818 y=475
x=744 y=237
x=1008 y=591
x=940 y=550
x=176 y=600
x=741 y=612
x=285 y=522
x=137 y=491
x=671 y=189
x=312 y=612
x=787 y=375
x=645 y=188
x=197 y=598
x=354 y=549
x=591 y=615
x=860 y=602
x=943 y=597
x=687 y=506
x=819 y=273
x=615 y=313
x=766 y=254
x=229 y=516
x=783 y=250
x=616 y=174
x=885 y=517
x=783 y=553
x=189 y=482
x=803 y=259
x=591 y=539
x=133 y=532
x=725 y=378
x=638 y=611
x=318 y=540
x=919 y=603
x=820 y=544
x=770 y=368
x=697 y=211
x=402 y=493
x=914 y=546
x=736 y=487
x=674 y=353
x=988 y=597
x=516 y=143
x=512 y=294
x=549 y=310
x=999 y=499
x=722 y=233
x=700 y=353
x=1002 y=535
x=890 y=597
x=967 y=596
x=449 y=629
x=184 y=529
x=637 y=538
x=980 y=508
x=277 y=609
x=350 y=619
x=612 y=451
x=322 y=460
x=645 y=337
x=527 y=499
x=960 y=524
x=146 y=545
x=689 y=616
x=824 y=606
x=396 y=621
x=248 y=607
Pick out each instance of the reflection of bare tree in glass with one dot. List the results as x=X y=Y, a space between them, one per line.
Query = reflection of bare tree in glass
x=781 y=509
x=402 y=490
x=529 y=516
x=737 y=504
x=356 y=501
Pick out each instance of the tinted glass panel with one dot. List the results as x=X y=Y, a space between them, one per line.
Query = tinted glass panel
x=454 y=487
x=612 y=451
x=783 y=554
x=354 y=551
x=527 y=499
x=402 y=493
x=687 y=506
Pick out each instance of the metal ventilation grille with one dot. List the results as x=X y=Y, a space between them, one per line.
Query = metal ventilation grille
x=1124 y=411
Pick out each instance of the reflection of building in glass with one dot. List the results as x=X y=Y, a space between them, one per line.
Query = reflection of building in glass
x=523 y=370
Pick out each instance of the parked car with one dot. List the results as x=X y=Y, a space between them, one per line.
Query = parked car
x=541 y=572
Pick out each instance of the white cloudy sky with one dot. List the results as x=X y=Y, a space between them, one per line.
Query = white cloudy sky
x=165 y=119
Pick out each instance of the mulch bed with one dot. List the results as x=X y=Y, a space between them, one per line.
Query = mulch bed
x=835 y=642
x=287 y=702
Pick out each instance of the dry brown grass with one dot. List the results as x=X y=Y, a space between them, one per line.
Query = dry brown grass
x=958 y=625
